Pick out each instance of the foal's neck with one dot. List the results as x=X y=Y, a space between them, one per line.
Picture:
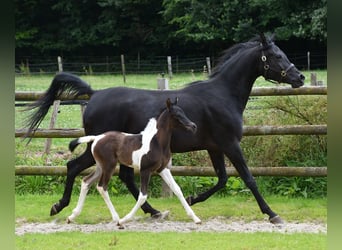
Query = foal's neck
x=164 y=129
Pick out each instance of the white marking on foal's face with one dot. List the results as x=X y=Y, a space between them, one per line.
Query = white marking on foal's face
x=147 y=135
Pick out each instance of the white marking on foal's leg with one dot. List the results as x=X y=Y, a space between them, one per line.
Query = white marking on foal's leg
x=110 y=206
x=77 y=210
x=170 y=181
x=141 y=200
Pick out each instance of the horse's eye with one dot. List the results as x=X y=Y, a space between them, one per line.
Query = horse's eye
x=278 y=56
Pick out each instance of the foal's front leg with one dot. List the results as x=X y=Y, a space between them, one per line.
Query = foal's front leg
x=144 y=180
x=170 y=181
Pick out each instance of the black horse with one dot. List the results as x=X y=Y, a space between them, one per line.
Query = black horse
x=215 y=105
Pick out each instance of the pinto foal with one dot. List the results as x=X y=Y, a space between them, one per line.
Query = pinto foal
x=149 y=151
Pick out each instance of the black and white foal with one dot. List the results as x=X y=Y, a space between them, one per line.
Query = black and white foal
x=149 y=151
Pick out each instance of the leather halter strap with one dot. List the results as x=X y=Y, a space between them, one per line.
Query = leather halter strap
x=267 y=68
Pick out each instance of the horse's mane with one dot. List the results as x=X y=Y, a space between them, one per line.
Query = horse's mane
x=235 y=49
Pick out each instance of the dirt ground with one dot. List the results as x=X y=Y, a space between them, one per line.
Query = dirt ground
x=217 y=224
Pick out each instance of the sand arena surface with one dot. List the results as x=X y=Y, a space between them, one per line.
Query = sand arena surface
x=217 y=224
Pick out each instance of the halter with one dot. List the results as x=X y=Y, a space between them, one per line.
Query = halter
x=267 y=67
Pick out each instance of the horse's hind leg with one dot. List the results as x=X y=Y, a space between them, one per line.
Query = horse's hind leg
x=170 y=181
x=86 y=183
x=74 y=167
x=126 y=174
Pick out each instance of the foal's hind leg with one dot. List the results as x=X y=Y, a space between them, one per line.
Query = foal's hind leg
x=86 y=183
x=102 y=187
x=170 y=181
x=74 y=167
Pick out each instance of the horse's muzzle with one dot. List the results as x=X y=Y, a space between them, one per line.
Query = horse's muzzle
x=299 y=82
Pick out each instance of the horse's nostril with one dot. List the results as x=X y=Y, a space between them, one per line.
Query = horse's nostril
x=302 y=77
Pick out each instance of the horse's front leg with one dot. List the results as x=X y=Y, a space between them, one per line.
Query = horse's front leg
x=217 y=159
x=170 y=181
x=145 y=176
x=234 y=153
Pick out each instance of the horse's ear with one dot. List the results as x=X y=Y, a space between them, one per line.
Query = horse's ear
x=176 y=101
x=168 y=103
x=263 y=39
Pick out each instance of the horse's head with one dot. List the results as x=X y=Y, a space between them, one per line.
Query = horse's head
x=276 y=66
x=179 y=119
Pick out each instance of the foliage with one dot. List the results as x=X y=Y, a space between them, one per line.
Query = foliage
x=62 y=26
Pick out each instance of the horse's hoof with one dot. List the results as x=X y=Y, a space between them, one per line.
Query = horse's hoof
x=68 y=221
x=160 y=215
x=54 y=210
x=276 y=220
x=120 y=226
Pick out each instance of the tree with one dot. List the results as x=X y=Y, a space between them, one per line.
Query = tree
x=239 y=19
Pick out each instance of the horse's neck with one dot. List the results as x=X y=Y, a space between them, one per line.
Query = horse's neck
x=239 y=76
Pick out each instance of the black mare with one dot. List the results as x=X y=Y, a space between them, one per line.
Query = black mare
x=215 y=105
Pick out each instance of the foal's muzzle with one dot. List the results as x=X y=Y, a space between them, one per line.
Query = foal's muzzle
x=192 y=127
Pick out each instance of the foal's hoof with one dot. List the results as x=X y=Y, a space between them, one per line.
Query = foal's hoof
x=160 y=215
x=54 y=209
x=276 y=220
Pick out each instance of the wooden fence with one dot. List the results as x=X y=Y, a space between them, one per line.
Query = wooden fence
x=191 y=170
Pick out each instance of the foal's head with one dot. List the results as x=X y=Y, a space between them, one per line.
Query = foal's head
x=178 y=119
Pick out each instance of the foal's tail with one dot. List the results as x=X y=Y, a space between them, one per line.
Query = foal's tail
x=62 y=84
x=85 y=139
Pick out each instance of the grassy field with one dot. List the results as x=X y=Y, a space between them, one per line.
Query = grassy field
x=35 y=208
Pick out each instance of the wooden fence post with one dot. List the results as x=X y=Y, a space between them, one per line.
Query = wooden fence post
x=123 y=68
x=54 y=112
x=208 y=65
x=52 y=125
x=163 y=84
x=313 y=79
x=169 y=66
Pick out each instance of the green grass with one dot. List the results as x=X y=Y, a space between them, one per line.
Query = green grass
x=35 y=208
x=171 y=240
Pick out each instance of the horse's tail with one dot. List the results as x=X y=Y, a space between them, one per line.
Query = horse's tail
x=62 y=84
x=84 y=139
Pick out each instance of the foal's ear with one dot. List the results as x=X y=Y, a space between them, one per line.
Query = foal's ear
x=168 y=103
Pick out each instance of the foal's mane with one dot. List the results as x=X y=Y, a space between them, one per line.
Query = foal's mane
x=236 y=49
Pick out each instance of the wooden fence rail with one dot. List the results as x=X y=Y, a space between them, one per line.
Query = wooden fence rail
x=247 y=131
x=260 y=91
x=187 y=171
